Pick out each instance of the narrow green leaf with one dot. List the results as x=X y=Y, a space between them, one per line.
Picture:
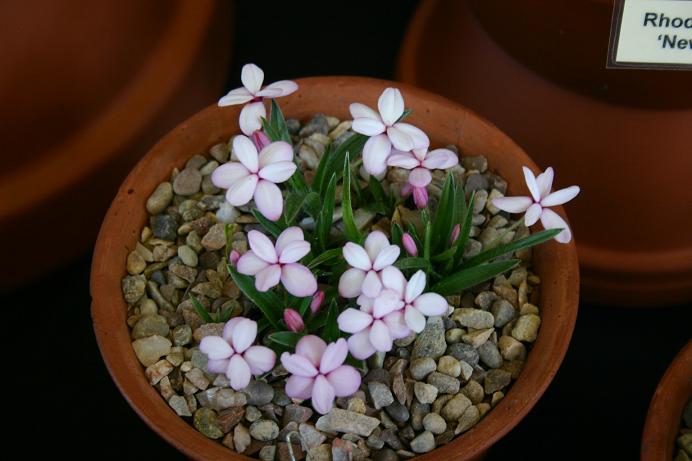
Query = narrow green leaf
x=297 y=182
x=325 y=257
x=467 y=278
x=405 y=114
x=414 y=234
x=443 y=222
x=379 y=195
x=272 y=227
x=397 y=233
x=317 y=321
x=350 y=228
x=313 y=204
x=269 y=130
x=445 y=255
x=201 y=311
x=333 y=160
x=464 y=231
x=426 y=241
x=288 y=339
x=304 y=305
x=320 y=173
x=268 y=302
x=324 y=221
x=331 y=329
x=278 y=123
x=412 y=263
x=526 y=242
x=295 y=201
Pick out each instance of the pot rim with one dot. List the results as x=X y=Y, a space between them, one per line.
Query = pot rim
x=107 y=302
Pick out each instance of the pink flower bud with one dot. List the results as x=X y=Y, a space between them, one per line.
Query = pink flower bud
x=233 y=257
x=260 y=139
x=293 y=320
x=455 y=233
x=317 y=300
x=409 y=244
x=420 y=197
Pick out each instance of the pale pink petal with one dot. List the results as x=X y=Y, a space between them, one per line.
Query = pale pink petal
x=322 y=395
x=356 y=256
x=252 y=77
x=238 y=372
x=372 y=285
x=228 y=328
x=359 y=110
x=227 y=174
x=262 y=246
x=419 y=177
x=545 y=181
x=278 y=89
x=298 y=280
x=261 y=140
x=403 y=160
x=375 y=153
x=561 y=196
x=418 y=137
x=406 y=190
x=388 y=301
x=345 y=380
x=532 y=214
x=360 y=346
x=261 y=359
x=299 y=387
x=414 y=319
x=251 y=264
x=334 y=356
x=387 y=257
x=513 y=204
x=241 y=191
x=311 y=347
x=244 y=149
x=415 y=286
x=290 y=234
x=275 y=152
x=390 y=105
x=293 y=320
x=353 y=321
x=380 y=337
x=375 y=242
x=440 y=159
x=396 y=323
x=294 y=251
x=236 y=96
x=244 y=335
x=420 y=197
x=267 y=92
x=298 y=365
x=351 y=282
x=251 y=117
x=269 y=200
x=532 y=184
x=217 y=366
x=365 y=304
x=393 y=279
x=368 y=126
x=215 y=347
x=268 y=277
x=431 y=304
x=552 y=220
x=278 y=172
x=399 y=139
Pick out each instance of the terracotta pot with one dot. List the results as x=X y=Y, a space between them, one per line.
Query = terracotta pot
x=537 y=70
x=446 y=123
x=665 y=412
x=119 y=74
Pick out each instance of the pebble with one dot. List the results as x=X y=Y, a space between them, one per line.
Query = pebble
x=158 y=371
x=338 y=420
x=179 y=405
x=496 y=380
x=226 y=398
x=469 y=419
x=463 y=352
x=526 y=328
x=425 y=393
x=188 y=182
x=477 y=337
x=150 y=325
x=188 y=256
x=466 y=370
x=241 y=438
x=264 y=430
x=503 y=311
x=204 y=421
x=208 y=329
x=490 y=355
x=317 y=124
x=511 y=349
x=252 y=414
x=267 y=453
x=133 y=287
x=474 y=391
x=453 y=410
x=379 y=375
x=182 y=335
x=160 y=198
x=398 y=412
x=135 y=263
x=227 y=213
x=380 y=394
x=258 y=393
x=434 y=423
x=228 y=419
x=215 y=239
x=320 y=453
x=296 y=413
x=449 y=366
x=150 y=349
x=148 y=307
x=445 y=384
x=431 y=341
x=283 y=452
x=422 y=367
x=357 y=405
x=424 y=443
x=219 y=152
x=310 y=437
x=475 y=162
x=476 y=182
x=165 y=228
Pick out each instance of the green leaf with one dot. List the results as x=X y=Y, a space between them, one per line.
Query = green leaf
x=325 y=257
x=317 y=321
x=397 y=233
x=272 y=227
x=295 y=202
x=467 y=278
x=414 y=235
x=324 y=221
x=445 y=214
x=268 y=302
x=350 y=228
x=278 y=124
x=445 y=255
x=288 y=339
x=405 y=114
x=526 y=242
x=412 y=263
x=464 y=231
x=201 y=311
x=304 y=305
x=333 y=159
x=297 y=182
x=426 y=241
x=331 y=329
x=379 y=195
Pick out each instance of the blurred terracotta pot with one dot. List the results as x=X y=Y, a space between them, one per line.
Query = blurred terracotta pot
x=537 y=69
x=446 y=123
x=87 y=87
x=665 y=412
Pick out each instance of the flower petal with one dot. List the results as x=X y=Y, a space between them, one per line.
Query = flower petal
x=380 y=337
x=532 y=214
x=236 y=96
x=419 y=177
x=311 y=347
x=399 y=139
x=217 y=365
x=360 y=346
x=252 y=78
x=372 y=285
x=353 y=321
x=244 y=335
x=545 y=181
x=415 y=286
x=532 y=184
x=227 y=174
x=298 y=365
x=238 y=372
x=299 y=387
x=414 y=319
x=431 y=304
x=403 y=160
x=294 y=251
x=334 y=356
x=251 y=264
x=269 y=200
x=396 y=323
x=418 y=137
x=440 y=159
x=351 y=283
x=420 y=197
x=262 y=246
x=391 y=105
x=298 y=280
x=375 y=242
x=388 y=301
x=552 y=220
x=228 y=328
x=386 y=257
x=375 y=153
x=215 y=347
x=359 y=110
x=278 y=89
x=561 y=196
x=368 y=126
x=288 y=235
x=251 y=117
x=365 y=304
x=393 y=279
x=241 y=191
x=356 y=256
x=261 y=359
x=278 y=172
x=513 y=204
x=345 y=380
x=245 y=150
x=275 y=152
x=268 y=278
x=322 y=395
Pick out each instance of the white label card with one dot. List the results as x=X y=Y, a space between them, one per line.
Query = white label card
x=651 y=34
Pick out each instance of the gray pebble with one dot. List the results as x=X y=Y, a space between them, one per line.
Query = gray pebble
x=398 y=412
x=496 y=380
x=258 y=393
x=431 y=341
x=463 y=352
x=264 y=430
x=133 y=287
x=165 y=227
x=380 y=394
x=422 y=367
x=503 y=311
x=188 y=182
x=160 y=198
x=179 y=405
x=434 y=423
x=424 y=443
x=445 y=384
x=425 y=393
x=188 y=256
x=474 y=318
x=149 y=325
x=204 y=421
x=490 y=355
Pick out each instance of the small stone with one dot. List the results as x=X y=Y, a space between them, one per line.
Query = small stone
x=208 y=329
x=160 y=198
x=422 y=367
x=188 y=256
x=399 y=387
x=398 y=412
x=296 y=413
x=464 y=352
x=449 y=366
x=425 y=393
x=150 y=349
x=434 y=423
x=453 y=410
x=453 y=335
x=338 y=420
x=157 y=371
x=424 y=443
x=503 y=312
x=258 y=393
x=469 y=419
x=182 y=335
x=496 y=397
x=342 y=450
x=220 y=152
x=310 y=436
x=252 y=414
x=526 y=328
x=477 y=337
x=228 y=419
x=179 y=405
x=264 y=430
x=466 y=370
x=474 y=391
x=241 y=438
x=496 y=380
x=267 y=453
x=318 y=124
x=483 y=408
x=357 y=405
x=150 y=325
x=418 y=412
x=474 y=182
x=406 y=340
x=379 y=375
x=514 y=367
x=477 y=162
x=511 y=349
x=226 y=398
x=431 y=341
x=204 y=421
x=135 y=263
x=215 y=238
x=490 y=355
x=445 y=384
x=148 y=307
x=528 y=308
x=187 y=182
x=133 y=287
x=380 y=394
x=165 y=228
x=320 y=453
x=386 y=454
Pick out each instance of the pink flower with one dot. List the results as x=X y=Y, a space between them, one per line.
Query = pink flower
x=318 y=372
x=418 y=305
x=409 y=244
x=256 y=175
x=317 y=301
x=260 y=139
x=233 y=257
x=456 y=230
x=366 y=265
x=420 y=162
x=541 y=197
x=293 y=320
x=252 y=92
x=233 y=353
x=384 y=131
x=271 y=263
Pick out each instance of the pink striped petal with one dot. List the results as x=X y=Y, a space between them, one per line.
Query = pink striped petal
x=414 y=319
x=356 y=256
x=251 y=264
x=334 y=356
x=391 y=106
x=262 y=246
x=388 y=301
x=353 y=321
x=513 y=204
x=238 y=372
x=403 y=160
x=365 y=304
x=532 y=184
x=561 y=196
x=260 y=359
x=420 y=197
x=368 y=126
x=275 y=152
x=294 y=251
x=419 y=177
x=245 y=150
x=552 y=220
x=236 y=96
x=252 y=78
x=244 y=335
x=228 y=328
x=268 y=278
x=215 y=347
x=278 y=172
x=399 y=139
x=217 y=366
x=311 y=347
x=440 y=159
x=380 y=337
x=322 y=395
x=298 y=365
x=418 y=137
x=431 y=304
x=227 y=174
x=359 y=110
x=375 y=242
x=251 y=117
x=290 y=234
x=532 y=214
x=269 y=200
x=299 y=387
x=375 y=153
x=360 y=346
x=241 y=191
x=415 y=286
x=545 y=181
x=393 y=279
x=278 y=89
x=372 y=286
x=345 y=380
x=386 y=257
x=351 y=283
x=298 y=280
x=396 y=323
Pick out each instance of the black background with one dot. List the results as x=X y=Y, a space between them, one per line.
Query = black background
x=61 y=395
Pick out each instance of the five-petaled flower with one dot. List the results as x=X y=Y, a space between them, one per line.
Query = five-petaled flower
x=366 y=265
x=252 y=92
x=385 y=131
x=233 y=352
x=318 y=372
x=271 y=263
x=541 y=198
x=420 y=162
x=256 y=175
